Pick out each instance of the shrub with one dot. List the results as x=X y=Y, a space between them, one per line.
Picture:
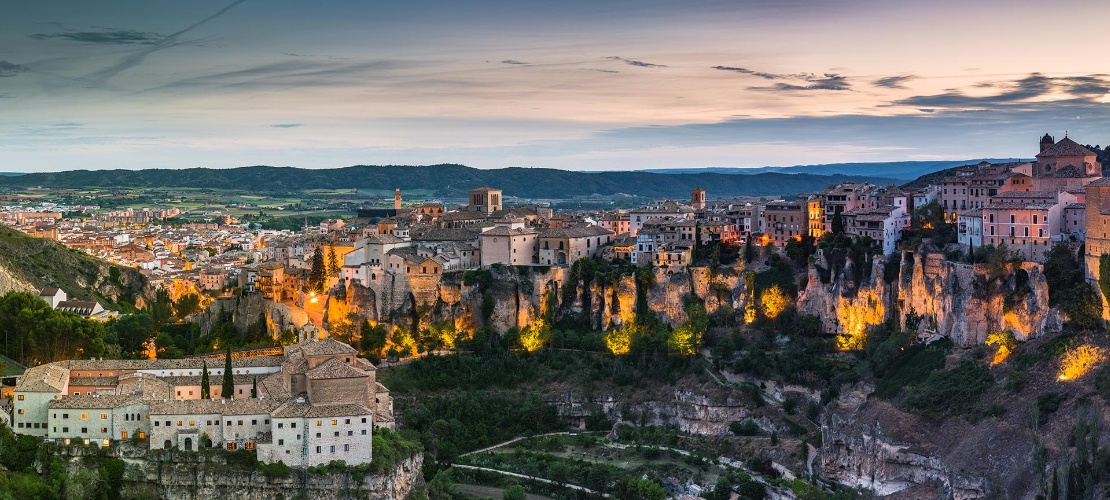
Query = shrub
x=276 y=470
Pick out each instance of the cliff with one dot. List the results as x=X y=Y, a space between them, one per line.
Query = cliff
x=519 y=295
x=204 y=476
x=961 y=301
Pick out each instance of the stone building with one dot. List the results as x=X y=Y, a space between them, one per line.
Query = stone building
x=316 y=403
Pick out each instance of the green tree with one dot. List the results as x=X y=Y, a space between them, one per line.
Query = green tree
x=1104 y=275
x=372 y=338
x=333 y=262
x=515 y=492
x=254 y=387
x=185 y=305
x=634 y=488
x=318 y=274
x=205 y=387
x=837 y=223
x=227 y=390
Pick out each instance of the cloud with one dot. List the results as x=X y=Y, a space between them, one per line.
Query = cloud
x=1023 y=91
x=894 y=82
x=631 y=62
x=106 y=36
x=11 y=69
x=806 y=81
x=287 y=125
x=514 y=61
x=291 y=73
x=137 y=58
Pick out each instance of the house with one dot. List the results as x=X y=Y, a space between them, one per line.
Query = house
x=515 y=246
x=53 y=296
x=785 y=221
x=564 y=246
x=970 y=228
x=485 y=200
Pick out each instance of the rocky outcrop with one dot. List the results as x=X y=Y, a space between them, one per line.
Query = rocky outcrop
x=248 y=308
x=707 y=410
x=522 y=294
x=964 y=302
x=860 y=455
x=207 y=476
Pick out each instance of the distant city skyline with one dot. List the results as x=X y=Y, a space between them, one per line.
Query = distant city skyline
x=575 y=85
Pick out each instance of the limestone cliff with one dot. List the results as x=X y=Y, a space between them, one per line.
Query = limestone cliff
x=205 y=476
x=961 y=301
x=521 y=294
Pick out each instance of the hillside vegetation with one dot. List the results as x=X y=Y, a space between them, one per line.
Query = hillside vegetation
x=444 y=180
x=42 y=263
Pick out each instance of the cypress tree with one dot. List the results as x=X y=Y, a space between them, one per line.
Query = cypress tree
x=254 y=387
x=205 y=388
x=228 y=388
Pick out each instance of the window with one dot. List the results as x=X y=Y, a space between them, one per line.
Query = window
x=142 y=435
x=103 y=430
x=254 y=422
x=332 y=448
x=317 y=434
x=364 y=432
x=192 y=423
x=84 y=416
x=21 y=412
x=84 y=430
x=347 y=421
x=281 y=426
x=319 y=423
x=156 y=423
x=334 y=422
x=19 y=397
x=364 y=420
x=65 y=429
x=65 y=415
x=350 y=433
x=293 y=425
x=240 y=422
x=249 y=445
x=317 y=449
x=281 y=442
x=230 y=446
x=346 y=447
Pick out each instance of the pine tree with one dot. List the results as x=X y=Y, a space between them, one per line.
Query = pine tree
x=254 y=387
x=837 y=224
x=228 y=388
x=317 y=275
x=333 y=262
x=205 y=389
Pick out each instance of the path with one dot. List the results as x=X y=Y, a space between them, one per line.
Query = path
x=533 y=478
x=513 y=440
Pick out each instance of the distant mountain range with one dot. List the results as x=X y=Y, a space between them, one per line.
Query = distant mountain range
x=449 y=180
x=903 y=170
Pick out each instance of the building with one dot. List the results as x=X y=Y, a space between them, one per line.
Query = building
x=785 y=221
x=486 y=200
x=697 y=199
x=315 y=403
x=564 y=246
x=1064 y=165
x=509 y=245
x=884 y=225
x=970 y=228
x=1028 y=223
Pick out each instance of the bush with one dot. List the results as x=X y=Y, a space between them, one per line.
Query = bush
x=276 y=470
x=515 y=492
x=952 y=392
x=745 y=428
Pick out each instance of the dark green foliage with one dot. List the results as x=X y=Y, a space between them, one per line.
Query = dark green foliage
x=390 y=448
x=1069 y=290
x=523 y=182
x=276 y=470
x=205 y=387
x=898 y=362
x=780 y=273
x=639 y=489
x=372 y=339
x=110 y=472
x=745 y=428
x=318 y=274
x=481 y=277
x=516 y=492
x=487 y=306
x=950 y=392
x=448 y=426
x=1047 y=404
x=32 y=332
x=1104 y=275
x=227 y=390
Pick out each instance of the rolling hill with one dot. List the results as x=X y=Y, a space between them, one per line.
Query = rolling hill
x=446 y=180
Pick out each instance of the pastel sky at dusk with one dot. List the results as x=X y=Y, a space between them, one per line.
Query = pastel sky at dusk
x=580 y=85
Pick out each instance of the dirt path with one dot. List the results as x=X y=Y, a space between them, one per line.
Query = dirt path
x=533 y=478
x=511 y=441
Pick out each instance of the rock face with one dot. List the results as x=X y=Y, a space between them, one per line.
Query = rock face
x=520 y=295
x=706 y=411
x=960 y=301
x=860 y=455
x=196 y=476
x=248 y=308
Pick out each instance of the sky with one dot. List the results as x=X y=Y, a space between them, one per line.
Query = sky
x=574 y=84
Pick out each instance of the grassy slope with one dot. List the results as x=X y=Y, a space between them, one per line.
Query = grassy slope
x=44 y=263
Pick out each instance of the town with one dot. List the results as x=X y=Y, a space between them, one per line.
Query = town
x=313 y=400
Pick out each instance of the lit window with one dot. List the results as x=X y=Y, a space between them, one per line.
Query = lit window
x=104 y=416
x=84 y=416
x=334 y=422
x=230 y=446
x=142 y=435
x=20 y=397
x=123 y=435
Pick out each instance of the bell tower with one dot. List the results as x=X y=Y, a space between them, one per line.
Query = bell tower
x=397 y=199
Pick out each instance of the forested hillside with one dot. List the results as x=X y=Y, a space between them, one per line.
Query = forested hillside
x=443 y=180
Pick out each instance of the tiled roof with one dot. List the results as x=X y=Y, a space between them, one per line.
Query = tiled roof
x=575 y=232
x=112 y=381
x=98 y=402
x=335 y=368
x=1066 y=147
x=326 y=346
x=44 y=378
x=505 y=231
x=309 y=410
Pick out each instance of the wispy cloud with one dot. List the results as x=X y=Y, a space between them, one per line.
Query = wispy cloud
x=287 y=125
x=1022 y=91
x=137 y=58
x=514 y=61
x=11 y=69
x=894 y=82
x=632 y=62
x=105 y=36
x=803 y=81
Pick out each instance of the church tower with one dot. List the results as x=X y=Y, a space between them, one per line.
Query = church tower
x=697 y=199
x=397 y=199
x=1046 y=142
